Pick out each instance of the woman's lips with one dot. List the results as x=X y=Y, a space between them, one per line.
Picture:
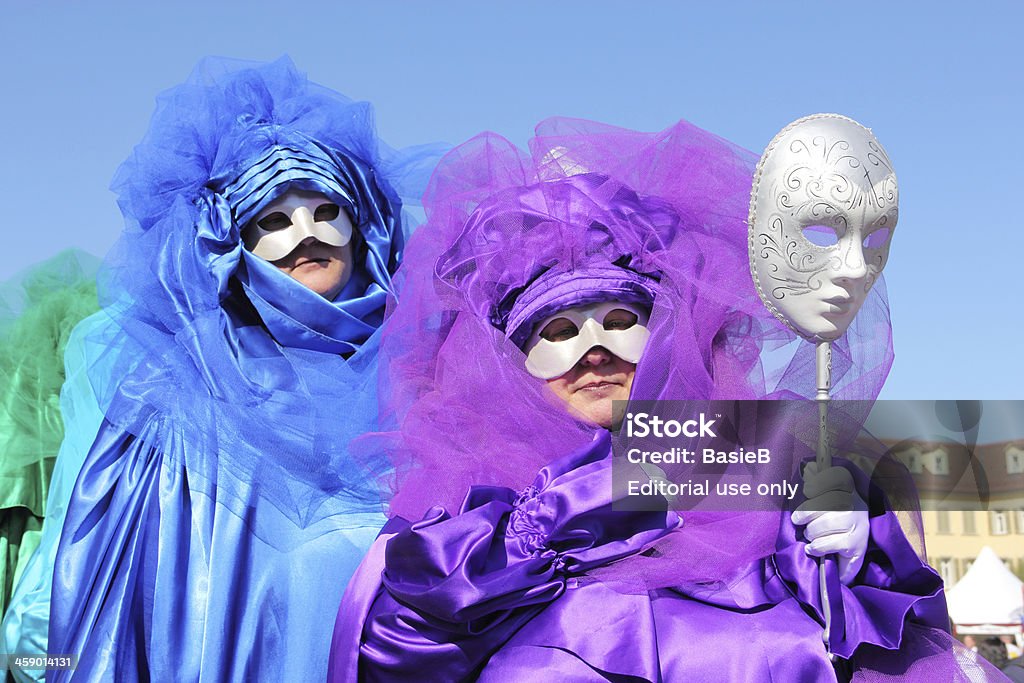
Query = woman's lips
x=309 y=262
x=597 y=386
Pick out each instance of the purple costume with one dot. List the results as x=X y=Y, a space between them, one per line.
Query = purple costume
x=537 y=576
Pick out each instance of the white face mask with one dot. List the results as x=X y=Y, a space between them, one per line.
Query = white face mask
x=584 y=328
x=822 y=212
x=293 y=217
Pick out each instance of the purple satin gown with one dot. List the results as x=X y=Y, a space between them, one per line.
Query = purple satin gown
x=500 y=592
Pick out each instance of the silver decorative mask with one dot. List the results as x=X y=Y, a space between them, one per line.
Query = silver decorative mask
x=823 y=209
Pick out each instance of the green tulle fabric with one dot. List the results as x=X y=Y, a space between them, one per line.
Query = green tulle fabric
x=38 y=310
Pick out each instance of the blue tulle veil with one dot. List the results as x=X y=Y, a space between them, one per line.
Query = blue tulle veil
x=218 y=513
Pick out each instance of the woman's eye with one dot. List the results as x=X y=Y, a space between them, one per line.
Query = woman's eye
x=619 y=319
x=559 y=330
x=821 y=235
x=877 y=239
x=274 y=221
x=326 y=212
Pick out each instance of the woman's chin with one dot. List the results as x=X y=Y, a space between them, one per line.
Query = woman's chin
x=598 y=411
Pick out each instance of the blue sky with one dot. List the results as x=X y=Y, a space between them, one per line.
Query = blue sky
x=941 y=84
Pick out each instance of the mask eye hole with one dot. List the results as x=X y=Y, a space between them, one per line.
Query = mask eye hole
x=619 y=319
x=559 y=329
x=326 y=212
x=274 y=221
x=821 y=235
x=877 y=239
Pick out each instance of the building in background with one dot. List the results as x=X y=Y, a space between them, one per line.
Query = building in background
x=971 y=498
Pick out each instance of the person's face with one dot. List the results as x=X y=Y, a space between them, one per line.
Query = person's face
x=316 y=235
x=318 y=266
x=599 y=377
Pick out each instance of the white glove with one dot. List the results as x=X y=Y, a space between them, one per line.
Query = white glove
x=837 y=519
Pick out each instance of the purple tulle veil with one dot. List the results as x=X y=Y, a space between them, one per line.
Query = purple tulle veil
x=670 y=206
x=508 y=233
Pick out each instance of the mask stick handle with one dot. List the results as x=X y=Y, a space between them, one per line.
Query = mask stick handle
x=823 y=367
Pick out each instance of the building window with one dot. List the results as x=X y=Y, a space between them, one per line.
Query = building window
x=966 y=564
x=911 y=457
x=943 y=521
x=1020 y=521
x=1014 y=460
x=947 y=570
x=999 y=523
x=940 y=462
x=969 y=527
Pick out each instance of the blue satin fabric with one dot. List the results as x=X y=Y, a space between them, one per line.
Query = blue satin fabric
x=219 y=512
x=500 y=592
x=185 y=588
x=175 y=564
x=299 y=318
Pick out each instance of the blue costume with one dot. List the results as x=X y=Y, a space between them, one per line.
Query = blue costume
x=220 y=501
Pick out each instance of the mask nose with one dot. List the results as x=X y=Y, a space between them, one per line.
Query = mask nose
x=302 y=225
x=596 y=357
x=302 y=218
x=852 y=266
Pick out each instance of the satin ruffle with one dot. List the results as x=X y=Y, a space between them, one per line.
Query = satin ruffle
x=501 y=591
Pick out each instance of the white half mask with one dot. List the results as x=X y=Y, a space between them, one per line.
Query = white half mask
x=546 y=359
x=291 y=218
x=823 y=209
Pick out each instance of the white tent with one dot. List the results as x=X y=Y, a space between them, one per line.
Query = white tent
x=988 y=599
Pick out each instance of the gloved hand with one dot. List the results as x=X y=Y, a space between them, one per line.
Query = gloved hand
x=837 y=519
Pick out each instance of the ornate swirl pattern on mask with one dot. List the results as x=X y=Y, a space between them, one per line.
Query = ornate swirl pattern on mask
x=828 y=173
